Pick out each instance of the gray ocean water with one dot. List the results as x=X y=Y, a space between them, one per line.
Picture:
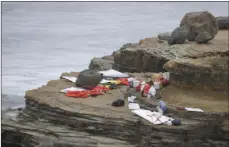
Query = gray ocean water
x=40 y=40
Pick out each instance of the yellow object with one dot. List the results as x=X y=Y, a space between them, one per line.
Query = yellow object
x=106 y=86
x=115 y=82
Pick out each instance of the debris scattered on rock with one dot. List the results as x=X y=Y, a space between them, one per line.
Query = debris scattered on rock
x=189 y=63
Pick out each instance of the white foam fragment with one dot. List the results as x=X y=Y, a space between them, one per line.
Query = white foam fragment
x=133 y=106
x=72 y=89
x=113 y=73
x=194 y=109
x=72 y=79
x=131 y=99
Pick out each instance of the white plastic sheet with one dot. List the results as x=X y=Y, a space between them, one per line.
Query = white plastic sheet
x=113 y=73
x=133 y=106
x=143 y=84
x=166 y=75
x=72 y=89
x=103 y=81
x=72 y=79
x=136 y=83
x=152 y=91
x=194 y=109
x=157 y=85
x=153 y=117
x=131 y=79
x=131 y=99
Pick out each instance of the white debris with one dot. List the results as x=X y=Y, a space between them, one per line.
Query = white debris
x=134 y=106
x=72 y=79
x=113 y=73
x=72 y=89
x=131 y=99
x=194 y=109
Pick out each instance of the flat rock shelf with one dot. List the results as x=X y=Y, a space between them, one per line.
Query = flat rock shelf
x=52 y=119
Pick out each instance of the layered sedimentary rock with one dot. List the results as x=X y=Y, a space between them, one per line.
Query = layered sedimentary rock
x=193 y=64
x=54 y=120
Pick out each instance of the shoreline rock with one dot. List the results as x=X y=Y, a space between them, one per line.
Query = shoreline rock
x=51 y=119
x=103 y=63
x=191 y=58
x=179 y=35
x=93 y=121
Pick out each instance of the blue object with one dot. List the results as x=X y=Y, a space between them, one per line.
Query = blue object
x=163 y=106
x=176 y=122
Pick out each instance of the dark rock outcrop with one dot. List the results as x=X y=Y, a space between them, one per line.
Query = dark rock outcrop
x=199 y=22
x=151 y=57
x=103 y=63
x=223 y=22
x=88 y=77
x=35 y=131
x=179 y=35
x=203 y=37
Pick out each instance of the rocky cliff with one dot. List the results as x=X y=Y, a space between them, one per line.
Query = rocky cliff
x=52 y=119
x=204 y=65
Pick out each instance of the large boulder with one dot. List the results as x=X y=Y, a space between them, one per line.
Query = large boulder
x=194 y=64
x=88 y=77
x=199 y=22
x=203 y=37
x=179 y=35
x=223 y=22
x=98 y=64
